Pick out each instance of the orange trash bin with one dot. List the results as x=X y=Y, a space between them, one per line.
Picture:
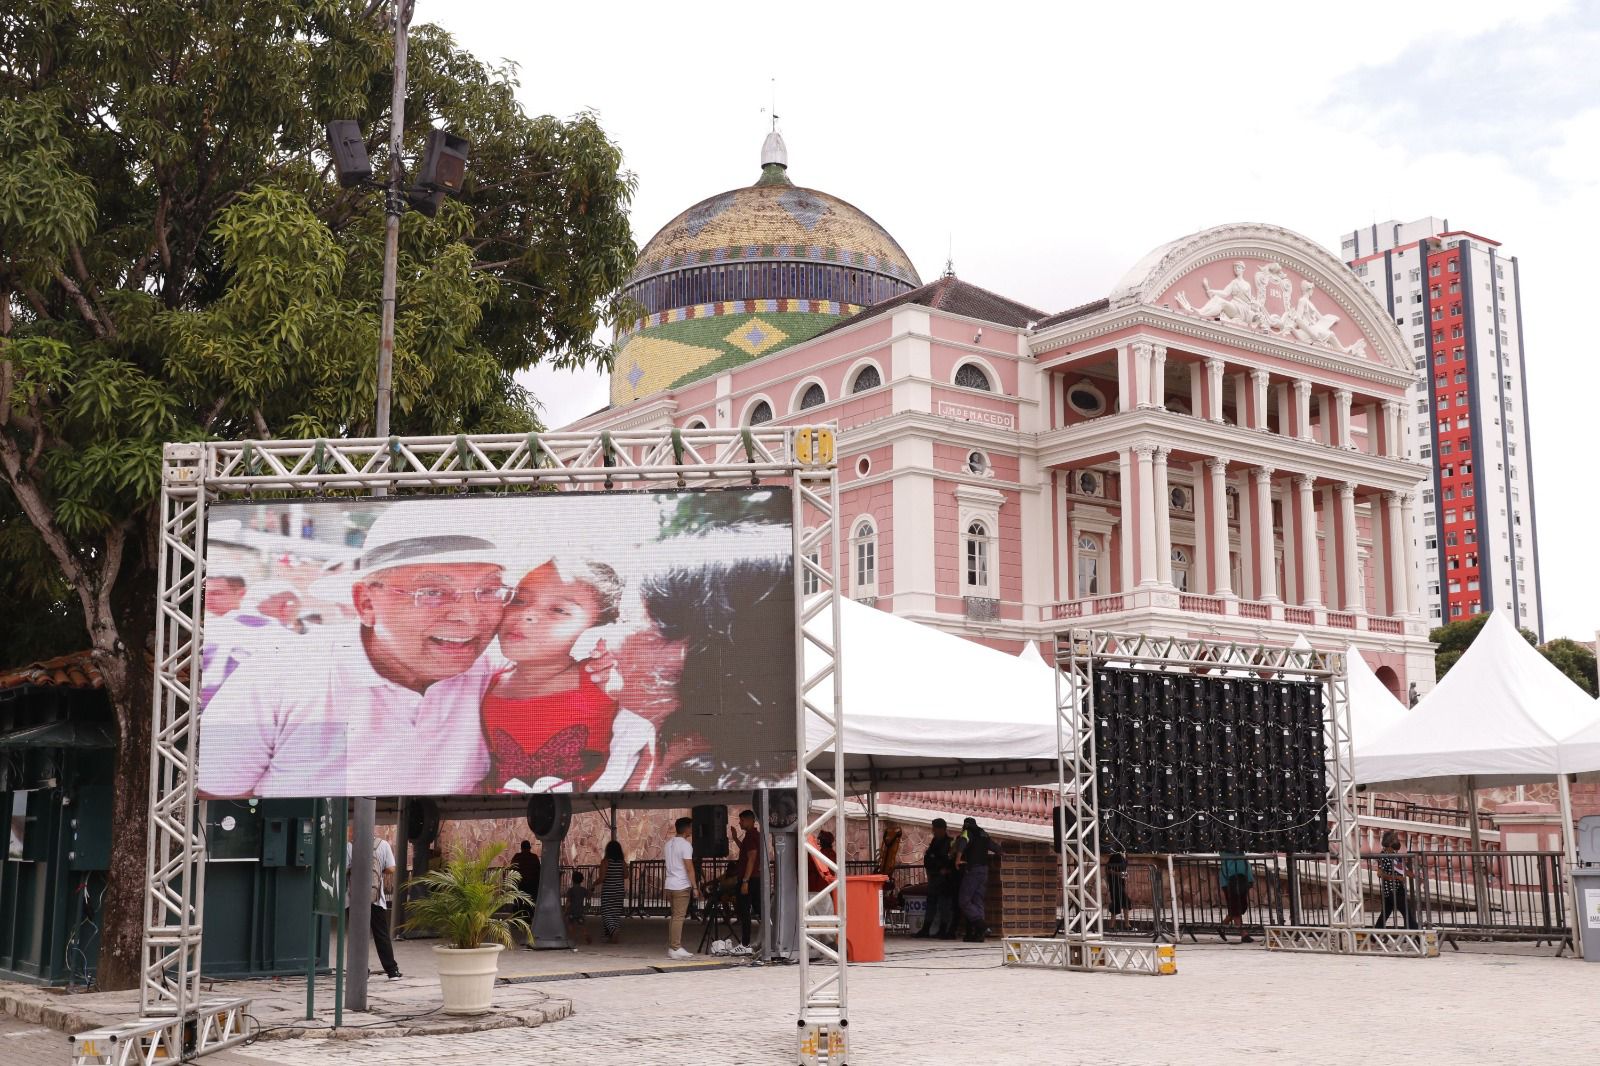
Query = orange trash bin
x=863 y=935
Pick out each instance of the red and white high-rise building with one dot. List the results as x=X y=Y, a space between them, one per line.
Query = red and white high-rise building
x=1456 y=297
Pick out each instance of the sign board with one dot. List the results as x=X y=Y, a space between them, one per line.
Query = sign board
x=997 y=419
x=525 y=643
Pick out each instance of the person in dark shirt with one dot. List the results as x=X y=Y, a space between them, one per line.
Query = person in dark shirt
x=1117 y=890
x=526 y=863
x=973 y=849
x=939 y=867
x=751 y=859
x=577 y=900
x=1392 y=874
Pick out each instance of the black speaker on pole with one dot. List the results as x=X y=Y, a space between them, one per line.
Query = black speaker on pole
x=710 y=831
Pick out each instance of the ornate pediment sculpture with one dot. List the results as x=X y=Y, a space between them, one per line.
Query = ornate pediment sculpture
x=1269 y=306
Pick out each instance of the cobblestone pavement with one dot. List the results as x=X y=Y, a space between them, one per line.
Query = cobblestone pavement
x=956 y=1005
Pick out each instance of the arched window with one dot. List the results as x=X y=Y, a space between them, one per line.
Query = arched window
x=698 y=423
x=761 y=412
x=977 y=557
x=865 y=551
x=813 y=397
x=1088 y=570
x=867 y=378
x=1180 y=568
x=971 y=376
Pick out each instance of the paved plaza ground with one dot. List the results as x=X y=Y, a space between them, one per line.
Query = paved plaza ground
x=955 y=1003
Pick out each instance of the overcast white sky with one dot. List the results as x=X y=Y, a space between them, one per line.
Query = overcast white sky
x=1053 y=145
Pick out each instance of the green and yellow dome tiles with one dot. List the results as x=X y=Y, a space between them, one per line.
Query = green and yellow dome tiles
x=749 y=272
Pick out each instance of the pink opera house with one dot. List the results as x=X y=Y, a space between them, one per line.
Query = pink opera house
x=1214 y=447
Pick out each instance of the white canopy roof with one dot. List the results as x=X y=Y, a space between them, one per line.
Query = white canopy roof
x=924 y=708
x=1499 y=716
x=1373 y=708
x=1581 y=750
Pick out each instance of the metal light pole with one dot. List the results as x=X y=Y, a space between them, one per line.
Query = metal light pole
x=365 y=809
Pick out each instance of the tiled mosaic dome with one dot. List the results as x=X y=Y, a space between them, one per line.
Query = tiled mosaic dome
x=747 y=273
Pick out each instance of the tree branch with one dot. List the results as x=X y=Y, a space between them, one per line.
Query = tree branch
x=75 y=294
x=93 y=290
x=261 y=423
x=31 y=499
x=216 y=411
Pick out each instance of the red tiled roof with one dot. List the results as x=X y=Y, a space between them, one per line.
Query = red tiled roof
x=64 y=671
x=950 y=293
x=1075 y=312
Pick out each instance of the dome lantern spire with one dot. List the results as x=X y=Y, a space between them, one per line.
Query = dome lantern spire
x=774 y=160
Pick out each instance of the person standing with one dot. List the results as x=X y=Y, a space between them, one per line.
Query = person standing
x=680 y=885
x=937 y=864
x=1236 y=877
x=526 y=864
x=613 y=883
x=383 y=867
x=751 y=858
x=974 y=848
x=1392 y=874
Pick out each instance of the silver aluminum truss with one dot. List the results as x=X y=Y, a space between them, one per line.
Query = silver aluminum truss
x=195 y=475
x=1391 y=943
x=1079 y=652
x=1055 y=953
x=216 y=1025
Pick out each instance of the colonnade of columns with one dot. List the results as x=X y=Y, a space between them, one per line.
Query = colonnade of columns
x=1146 y=535
x=1141 y=374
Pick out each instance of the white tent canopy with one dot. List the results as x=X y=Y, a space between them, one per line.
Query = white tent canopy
x=1581 y=750
x=1373 y=708
x=927 y=709
x=1499 y=717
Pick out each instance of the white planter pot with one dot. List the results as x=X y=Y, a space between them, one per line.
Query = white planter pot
x=466 y=976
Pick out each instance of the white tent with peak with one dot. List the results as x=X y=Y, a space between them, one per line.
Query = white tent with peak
x=1374 y=710
x=1501 y=716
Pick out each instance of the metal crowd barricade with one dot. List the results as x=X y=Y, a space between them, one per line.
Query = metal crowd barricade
x=1202 y=904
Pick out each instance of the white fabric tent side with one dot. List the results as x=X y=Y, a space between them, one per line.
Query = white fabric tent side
x=1499 y=716
x=924 y=709
x=1581 y=750
x=1373 y=708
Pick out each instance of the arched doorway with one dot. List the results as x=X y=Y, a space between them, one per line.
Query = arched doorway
x=1391 y=681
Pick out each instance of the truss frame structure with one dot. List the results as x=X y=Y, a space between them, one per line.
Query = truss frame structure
x=216 y=1024
x=1091 y=956
x=196 y=475
x=1389 y=943
x=1077 y=654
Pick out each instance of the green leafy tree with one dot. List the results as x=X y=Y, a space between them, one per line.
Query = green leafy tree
x=1574 y=659
x=176 y=262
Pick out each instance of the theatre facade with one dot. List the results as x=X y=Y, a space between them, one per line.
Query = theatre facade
x=1216 y=447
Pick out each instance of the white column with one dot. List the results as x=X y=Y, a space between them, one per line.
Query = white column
x=1408 y=516
x=1341 y=419
x=1125 y=523
x=1214 y=368
x=1291 y=546
x=1141 y=361
x=1259 y=380
x=1353 y=600
x=1311 y=567
x=1218 y=469
x=1394 y=553
x=1391 y=429
x=1280 y=397
x=1248 y=586
x=1325 y=418
x=1126 y=397
x=1147 y=513
x=1302 y=409
x=1158 y=376
x=1266 y=557
x=1241 y=399
x=1163 y=529
x=1201 y=575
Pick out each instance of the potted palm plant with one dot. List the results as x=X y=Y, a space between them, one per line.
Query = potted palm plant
x=462 y=902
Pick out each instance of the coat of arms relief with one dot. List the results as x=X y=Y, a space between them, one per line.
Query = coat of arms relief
x=1269 y=306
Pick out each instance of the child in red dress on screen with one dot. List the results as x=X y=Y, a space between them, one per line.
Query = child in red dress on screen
x=547 y=724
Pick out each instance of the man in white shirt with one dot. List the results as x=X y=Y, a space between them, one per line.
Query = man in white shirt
x=680 y=885
x=389 y=706
x=383 y=867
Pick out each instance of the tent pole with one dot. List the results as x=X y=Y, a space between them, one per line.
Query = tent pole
x=1570 y=860
x=872 y=820
x=1480 y=888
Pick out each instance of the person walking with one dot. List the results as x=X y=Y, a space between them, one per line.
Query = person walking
x=1236 y=877
x=613 y=883
x=1392 y=874
x=680 y=885
x=974 y=848
x=383 y=867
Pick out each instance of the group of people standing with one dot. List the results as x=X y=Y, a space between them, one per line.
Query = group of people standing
x=958 y=880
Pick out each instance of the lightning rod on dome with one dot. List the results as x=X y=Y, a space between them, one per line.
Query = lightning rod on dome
x=773 y=150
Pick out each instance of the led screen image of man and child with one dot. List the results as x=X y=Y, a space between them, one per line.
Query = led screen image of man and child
x=560 y=642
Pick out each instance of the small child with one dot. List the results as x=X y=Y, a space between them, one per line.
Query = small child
x=547 y=724
x=577 y=899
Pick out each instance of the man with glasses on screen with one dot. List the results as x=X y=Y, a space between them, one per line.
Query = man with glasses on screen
x=390 y=705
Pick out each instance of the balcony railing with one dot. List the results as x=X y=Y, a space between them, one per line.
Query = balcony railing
x=1231 y=607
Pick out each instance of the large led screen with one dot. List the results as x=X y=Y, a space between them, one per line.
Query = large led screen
x=544 y=642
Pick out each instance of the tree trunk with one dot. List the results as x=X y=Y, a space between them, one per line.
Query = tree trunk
x=130 y=686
